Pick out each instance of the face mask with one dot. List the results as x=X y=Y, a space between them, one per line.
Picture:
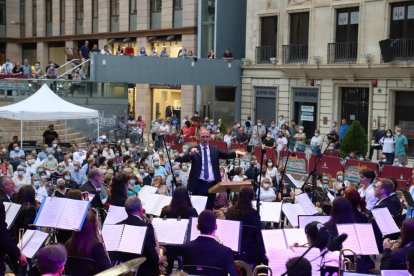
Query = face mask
x=54 y=145
x=266 y=185
x=61 y=169
x=272 y=125
x=259 y=124
x=388 y=134
x=132 y=181
x=185 y=150
x=211 y=123
x=151 y=174
x=156 y=164
x=396 y=164
x=36 y=184
x=185 y=168
x=61 y=186
x=37 y=66
x=280 y=136
x=104 y=171
x=269 y=136
x=3 y=150
x=382 y=128
x=316 y=134
x=43 y=177
x=117 y=154
x=123 y=144
x=76 y=168
x=300 y=131
x=17 y=149
x=31 y=161
x=397 y=133
x=325 y=186
x=20 y=173
x=384 y=160
x=50 y=156
x=94 y=154
x=333 y=125
x=270 y=164
x=133 y=165
x=340 y=178
x=142 y=170
x=176 y=172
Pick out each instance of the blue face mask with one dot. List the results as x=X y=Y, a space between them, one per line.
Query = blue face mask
x=132 y=181
x=36 y=184
x=20 y=173
x=50 y=156
x=67 y=177
x=325 y=186
x=61 y=169
x=176 y=172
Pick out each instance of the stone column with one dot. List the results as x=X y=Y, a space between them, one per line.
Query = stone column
x=124 y=15
x=29 y=14
x=103 y=22
x=187 y=100
x=42 y=51
x=41 y=18
x=190 y=13
x=55 y=17
x=143 y=14
x=14 y=52
x=143 y=104
x=167 y=14
x=12 y=18
x=70 y=17
x=87 y=16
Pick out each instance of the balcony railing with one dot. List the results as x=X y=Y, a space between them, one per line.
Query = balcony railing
x=295 y=53
x=264 y=53
x=342 y=52
x=403 y=49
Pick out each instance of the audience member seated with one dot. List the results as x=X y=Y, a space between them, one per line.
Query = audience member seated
x=206 y=251
x=51 y=260
x=266 y=192
x=180 y=206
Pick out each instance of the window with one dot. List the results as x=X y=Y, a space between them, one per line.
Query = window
x=48 y=11
x=79 y=9
x=62 y=11
x=402 y=20
x=2 y=12
x=268 y=39
x=132 y=6
x=299 y=28
x=156 y=5
x=114 y=8
x=347 y=22
x=178 y=4
x=95 y=12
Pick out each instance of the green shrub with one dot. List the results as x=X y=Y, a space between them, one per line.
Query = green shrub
x=355 y=140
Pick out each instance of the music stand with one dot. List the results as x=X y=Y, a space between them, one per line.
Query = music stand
x=410 y=200
x=229 y=186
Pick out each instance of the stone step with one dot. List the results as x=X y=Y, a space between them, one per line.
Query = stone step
x=28 y=127
x=44 y=124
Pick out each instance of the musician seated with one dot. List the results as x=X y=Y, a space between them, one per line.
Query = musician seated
x=87 y=244
x=180 y=206
x=387 y=198
x=51 y=260
x=358 y=205
x=206 y=250
x=395 y=253
x=296 y=267
x=410 y=261
x=95 y=186
x=133 y=207
x=252 y=246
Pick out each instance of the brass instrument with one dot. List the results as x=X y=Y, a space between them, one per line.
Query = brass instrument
x=99 y=229
x=243 y=268
x=161 y=250
x=345 y=263
x=262 y=267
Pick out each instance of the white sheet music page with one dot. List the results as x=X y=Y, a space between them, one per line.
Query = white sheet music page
x=228 y=231
x=270 y=211
x=295 y=235
x=147 y=190
x=331 y=197
x=385 y=221
x=115 y=215
x=292 y=211
x=199 y=203
x=366 y=238
x=305 y=220
x=296 y=183
x=50 y=211
x=313 y=255
x=132 y=240
x=306 y=203
x=352 y=241
x=161 y=202
x=111 y=235
x=274 y=239
x=194 y=232
x=12 y=210
x=170 y=231
x=395 y=273
x=278 y=258
x=32 y=241
x=73 y=215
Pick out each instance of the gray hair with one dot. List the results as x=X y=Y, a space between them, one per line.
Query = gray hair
x=133 y=204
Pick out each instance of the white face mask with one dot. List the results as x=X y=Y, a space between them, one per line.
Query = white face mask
x=270 y=164
x=266 y=185
x=300 y=130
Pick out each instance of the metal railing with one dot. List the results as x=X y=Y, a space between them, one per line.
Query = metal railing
x=403 y=49
x=264 y=53
x=295 y=53
x=343 y=52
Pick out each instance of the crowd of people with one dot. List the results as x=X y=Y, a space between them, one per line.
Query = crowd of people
x=115 y=171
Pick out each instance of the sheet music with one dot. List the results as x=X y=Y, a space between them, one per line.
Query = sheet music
x=170 y=231
x=331 y=197
x=306 y=203
x=296 y=183
x=12 y=210
x=312 y=256
x=115 y=215
x=352 y=241
x=305 y=220
x=73 y=214
x=32 y=241
x=199 y=203
x=292 y=211
x=395 y=273
x=146 y=189
x=278 y=258
x=270 y=211
x=111 y=235
x=132 y=239
x=49 y=212
x=153 y=203
x=295 y=235
x=228 y=232
x=385 y=221
x=366 y=238
x=274 y=239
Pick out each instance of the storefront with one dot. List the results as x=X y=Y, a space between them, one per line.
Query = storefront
x=355 y=105
x=404 y=117
x=165 y=101
x=265 y=104
x=305 y=112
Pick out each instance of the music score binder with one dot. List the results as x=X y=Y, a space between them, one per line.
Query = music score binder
x=385 y=222
x=153 y=203
x=31 y=242
x=304 y=220
x=228 y=232
x=283 y=238
x=62 y=213
x=269 y=211
x=170 y=231
x=12 y=210
x=115 y=215
x=124 y=238
x=360 y=239
x=306 y=203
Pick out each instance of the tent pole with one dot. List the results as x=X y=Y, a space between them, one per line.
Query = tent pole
x=66 y=139
x=97 y=120
x=21 y=134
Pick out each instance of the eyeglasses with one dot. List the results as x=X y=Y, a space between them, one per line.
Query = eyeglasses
x=377 y=187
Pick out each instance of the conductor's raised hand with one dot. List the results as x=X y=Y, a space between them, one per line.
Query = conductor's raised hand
x=240 y=153
x=194 y=151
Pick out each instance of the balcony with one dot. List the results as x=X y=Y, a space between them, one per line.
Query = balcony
x=403 y=49
x=295 y=53
x=264 y=53
x=342 y=52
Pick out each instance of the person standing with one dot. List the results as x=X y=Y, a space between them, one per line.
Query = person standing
x=377 y=136
x=50 y=135
x=205 y=170
x=388 y=146
x=401 y=146
x=343 y=129
x=84 y=52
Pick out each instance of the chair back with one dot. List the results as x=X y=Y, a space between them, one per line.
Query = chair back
x=79 y=266
x=203 y=270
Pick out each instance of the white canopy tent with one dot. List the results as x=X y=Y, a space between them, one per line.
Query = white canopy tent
x=45 y=105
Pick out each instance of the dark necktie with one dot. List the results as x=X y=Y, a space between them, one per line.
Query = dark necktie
x=205 y=162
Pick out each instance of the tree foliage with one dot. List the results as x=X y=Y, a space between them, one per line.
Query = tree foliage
x=355 y=140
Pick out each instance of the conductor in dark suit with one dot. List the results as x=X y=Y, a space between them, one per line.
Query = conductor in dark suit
x=206 y=250
x=7 y=244
x=94 y=186
x=135 y=212
x=205 y=169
